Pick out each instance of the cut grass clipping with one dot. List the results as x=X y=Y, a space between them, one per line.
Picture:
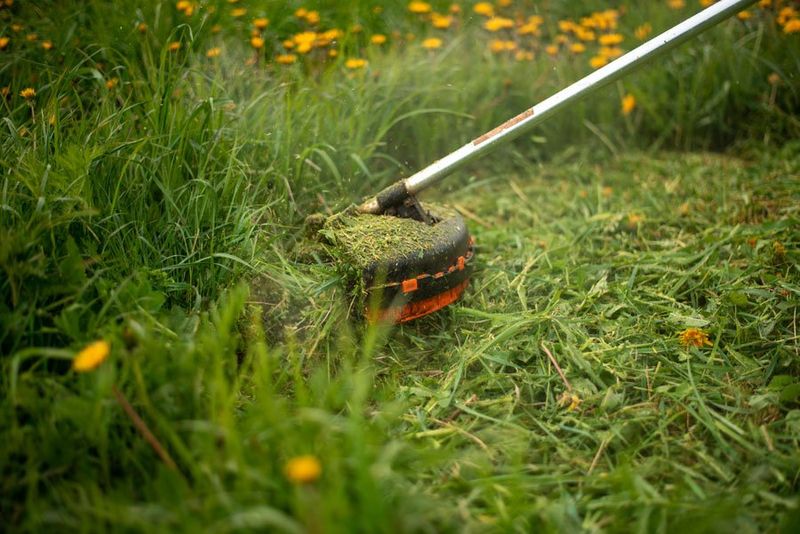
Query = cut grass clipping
x=366 y=240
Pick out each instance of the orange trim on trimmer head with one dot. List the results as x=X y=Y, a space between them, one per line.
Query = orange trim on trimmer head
x=415 y=294
x=416 y=309
x=409 y=283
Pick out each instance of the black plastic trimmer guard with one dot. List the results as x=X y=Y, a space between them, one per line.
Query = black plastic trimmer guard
x=439 y=268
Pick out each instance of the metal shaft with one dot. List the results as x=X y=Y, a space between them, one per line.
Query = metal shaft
x=529 y=118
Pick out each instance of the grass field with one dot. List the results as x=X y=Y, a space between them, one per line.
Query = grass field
x=626 y=357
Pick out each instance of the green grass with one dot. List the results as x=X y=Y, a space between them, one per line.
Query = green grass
x=165 y=215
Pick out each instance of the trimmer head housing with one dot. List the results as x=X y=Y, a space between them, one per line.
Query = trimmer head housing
x=405 y=268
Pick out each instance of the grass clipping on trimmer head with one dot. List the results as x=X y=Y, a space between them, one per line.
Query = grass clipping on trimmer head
x=363 y=240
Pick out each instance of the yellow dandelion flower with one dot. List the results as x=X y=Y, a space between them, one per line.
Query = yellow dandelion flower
x=216 y=28
x=260 y=23
x=641 y=32
x=5 y=91
x=91 y=356
x=607 y=191
x=610 y=52
x=28 y=93
x=303 y=469
x=185 y=6
x=561 y=39
x=694 y=337
x=499 y=45
x=744 y=15
x=213 y=52
x=112 y=83
x=634 y=220
x=706 y=3
x=431 y=43
x=585 y=35
x=419 y=7
x=356 y=28
x=597 y=61
x=610 y=39
x=301 y=12
x=312 y=17
x=238 y=12
x=47 y=45
x=567 y=26
x=607 y=20
x=551 y=49
x=628 y=104
x=577 y=48
x=455 y=9
x=484 y=8
x=504 y=3
x=288 y=44
x=441 y=22
x=31 y=37
x=16 y=28
x=792 y=26
x=174 y=46
x=523 y=55
x=377 y=39
x=355 y=63
x=286 y=59
x=333 y=53
x=256 y=42
x=141 y=27
x=305 y=41
x=676 y=4
x=786 y=14
x=528 y=28
x=496 y=24
x=332 y=34
x=764 y=3
x=4 y=42
x=570 y=401
x=305 y=38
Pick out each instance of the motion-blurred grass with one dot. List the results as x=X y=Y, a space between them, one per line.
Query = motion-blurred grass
x=141 y=183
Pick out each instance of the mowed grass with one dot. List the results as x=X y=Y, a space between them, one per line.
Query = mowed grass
x=163 y=213
x=662 y=436
x=603 y=266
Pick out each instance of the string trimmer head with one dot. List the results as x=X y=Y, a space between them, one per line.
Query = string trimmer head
x=405 y=263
